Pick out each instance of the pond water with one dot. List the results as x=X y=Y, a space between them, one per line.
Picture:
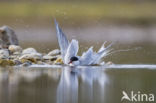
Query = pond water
x=63 y=84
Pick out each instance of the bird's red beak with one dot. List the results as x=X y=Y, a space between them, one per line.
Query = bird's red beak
x=70 y=62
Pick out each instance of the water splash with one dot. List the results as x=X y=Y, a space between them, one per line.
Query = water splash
x=113 y=66
x=124 y=50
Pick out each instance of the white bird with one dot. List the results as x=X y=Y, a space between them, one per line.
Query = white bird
x=69 y=51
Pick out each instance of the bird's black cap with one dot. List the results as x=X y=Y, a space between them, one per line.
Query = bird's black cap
x=73 y=59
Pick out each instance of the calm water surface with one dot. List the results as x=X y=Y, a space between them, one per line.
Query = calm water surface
x=74 y=84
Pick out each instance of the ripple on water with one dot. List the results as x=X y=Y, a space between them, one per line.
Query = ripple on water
x=114 y=66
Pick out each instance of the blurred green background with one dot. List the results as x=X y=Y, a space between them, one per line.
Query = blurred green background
x=120 y=11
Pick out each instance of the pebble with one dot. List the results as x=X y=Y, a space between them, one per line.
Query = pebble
x=29 y=51
x=6 y=62
x=4 y=54
x=51 y=58
x=25 y=64
x=17 y=62
x=15 y=49
x=58 y=61
x=40 y=63
x=54 y=52
x=33 y=57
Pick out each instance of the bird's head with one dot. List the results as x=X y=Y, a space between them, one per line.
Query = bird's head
x=74 y=60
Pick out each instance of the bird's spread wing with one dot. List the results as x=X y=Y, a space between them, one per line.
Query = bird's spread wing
x=91 y=58
x=62 y=39
x=87 y=57
x=72 y=50
x=103 y=51
x=102 y=47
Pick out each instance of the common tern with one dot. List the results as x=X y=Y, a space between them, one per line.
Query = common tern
x=69 y=51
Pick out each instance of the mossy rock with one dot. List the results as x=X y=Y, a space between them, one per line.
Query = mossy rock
x=7 y=62
x=58 y=61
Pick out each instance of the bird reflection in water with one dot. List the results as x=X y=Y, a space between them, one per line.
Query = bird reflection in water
x=67 y=91
x=78 y=85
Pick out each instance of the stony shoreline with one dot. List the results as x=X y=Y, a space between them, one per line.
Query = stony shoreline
x=15 y=55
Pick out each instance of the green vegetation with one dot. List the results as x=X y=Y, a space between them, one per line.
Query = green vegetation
x=129 y=11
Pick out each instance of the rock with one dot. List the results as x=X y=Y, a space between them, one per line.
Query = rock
x=6 y=62
x=54 y=52
x=33 y=57
x=40 y=63
x=15 y=49
x=14 y=56
x=58 y=61
x=51 y=58
x=24 y=60
x=4 y=53
x=17 y=53
x=29 y=51
x=48 y=62
x=17 y=62
x=25 y=64
x=8 y=37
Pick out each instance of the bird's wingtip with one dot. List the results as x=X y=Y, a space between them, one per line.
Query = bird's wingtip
x=104 y=43
x=55 y=21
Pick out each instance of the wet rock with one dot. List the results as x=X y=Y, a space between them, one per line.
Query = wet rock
x=48 y=62
x=51 y=58
x=17 y=53
x=6 y=62
x=40 y=63
x=29 y=51
x=33 y=57
x=4 y=54
x=58 y=61
x=15 y=49
x=8 y=37
x=54 y=52
x=24 y=60
x=17 y=62
x=14 y=56
x=25 y=64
